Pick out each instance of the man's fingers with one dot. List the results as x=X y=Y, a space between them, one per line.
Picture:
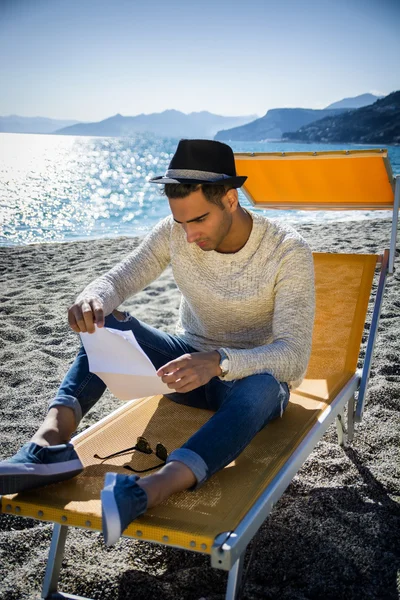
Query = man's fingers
x=185 y=386
x=72 y=321
x=83 y=315
x=87 y=317
x=174 y=376
x=98 y=312
x=77 y=320
x=173 y=365
x=166 y=369
x=189 y=371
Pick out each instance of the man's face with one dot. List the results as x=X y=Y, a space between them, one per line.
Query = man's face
x=204 y=223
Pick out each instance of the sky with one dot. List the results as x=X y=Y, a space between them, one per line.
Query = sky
x=90 y=59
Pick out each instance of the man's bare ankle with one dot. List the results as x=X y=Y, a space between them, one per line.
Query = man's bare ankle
x=40 y=441
x=57 y=427
x=51 y=438
x=172 y=478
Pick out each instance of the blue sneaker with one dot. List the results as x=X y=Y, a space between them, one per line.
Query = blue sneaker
x=34 y=466
x=122 y=501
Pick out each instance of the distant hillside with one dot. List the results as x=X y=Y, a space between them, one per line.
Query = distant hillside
x=356 y=101
x=170 y=123
x=17 y=124
x=378 y=123
x=273 y=124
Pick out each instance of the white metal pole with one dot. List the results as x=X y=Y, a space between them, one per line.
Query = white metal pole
x=395 y=218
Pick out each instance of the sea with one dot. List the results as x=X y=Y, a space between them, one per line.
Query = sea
x=56 y=188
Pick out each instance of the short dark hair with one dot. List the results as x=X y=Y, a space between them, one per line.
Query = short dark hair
x=213 y=193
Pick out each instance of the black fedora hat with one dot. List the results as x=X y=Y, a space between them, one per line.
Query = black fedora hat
x=202 y=161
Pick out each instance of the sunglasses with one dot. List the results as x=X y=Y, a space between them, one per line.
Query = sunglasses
x=142 y=445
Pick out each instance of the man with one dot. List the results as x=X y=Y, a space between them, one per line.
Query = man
x=242 y=340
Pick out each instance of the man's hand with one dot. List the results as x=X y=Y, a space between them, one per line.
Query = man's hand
x=83 y=315
x=190 y=371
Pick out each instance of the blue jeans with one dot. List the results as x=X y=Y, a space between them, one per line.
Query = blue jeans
x=242 y=407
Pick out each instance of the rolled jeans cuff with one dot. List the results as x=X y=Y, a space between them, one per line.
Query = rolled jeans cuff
x=192 y=460
x=69 y=401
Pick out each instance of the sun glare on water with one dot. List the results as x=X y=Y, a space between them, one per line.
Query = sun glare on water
x=56 y=188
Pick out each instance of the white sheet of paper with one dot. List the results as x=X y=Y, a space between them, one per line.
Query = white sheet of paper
x=116 y=357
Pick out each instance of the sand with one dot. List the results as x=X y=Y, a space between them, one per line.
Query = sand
x=333 y=535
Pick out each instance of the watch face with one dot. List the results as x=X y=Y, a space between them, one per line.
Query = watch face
x=224 y=364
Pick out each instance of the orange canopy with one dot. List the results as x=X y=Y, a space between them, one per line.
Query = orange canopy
x=345 y=179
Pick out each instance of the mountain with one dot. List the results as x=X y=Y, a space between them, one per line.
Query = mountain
x=274 y=123
x=17 y=124
x=170 y=123
x=356 y=101
x=378 y=123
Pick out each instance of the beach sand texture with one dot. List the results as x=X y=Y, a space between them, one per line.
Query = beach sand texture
x=333 y=535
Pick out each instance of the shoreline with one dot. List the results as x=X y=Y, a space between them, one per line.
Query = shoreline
x=326 y=217
x=333 y=534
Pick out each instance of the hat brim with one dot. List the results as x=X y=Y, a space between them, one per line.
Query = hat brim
x=234 y=181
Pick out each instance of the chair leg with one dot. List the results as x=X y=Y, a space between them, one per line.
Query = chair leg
x=350 y=419
x=235 y=578
x=341 y=430
x=54 y=561
x=346 y=434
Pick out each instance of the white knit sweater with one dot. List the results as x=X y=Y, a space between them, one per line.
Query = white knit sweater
x=257 y=303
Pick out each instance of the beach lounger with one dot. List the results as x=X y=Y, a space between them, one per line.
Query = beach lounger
x=222 y=517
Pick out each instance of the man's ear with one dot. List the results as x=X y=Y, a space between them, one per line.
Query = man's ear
x=233 y=199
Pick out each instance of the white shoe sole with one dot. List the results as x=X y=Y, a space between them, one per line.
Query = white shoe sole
x=16 y=477
x=109 y=511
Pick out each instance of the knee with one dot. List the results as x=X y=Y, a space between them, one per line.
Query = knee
x=262 y=395
x=262 y=387
x=275 y=397
x=120 y=316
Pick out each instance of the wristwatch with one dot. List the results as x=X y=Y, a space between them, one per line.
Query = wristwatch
x=224 y=363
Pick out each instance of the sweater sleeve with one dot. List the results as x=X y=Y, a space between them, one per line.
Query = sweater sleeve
x=287 y=356
x=135 y=272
